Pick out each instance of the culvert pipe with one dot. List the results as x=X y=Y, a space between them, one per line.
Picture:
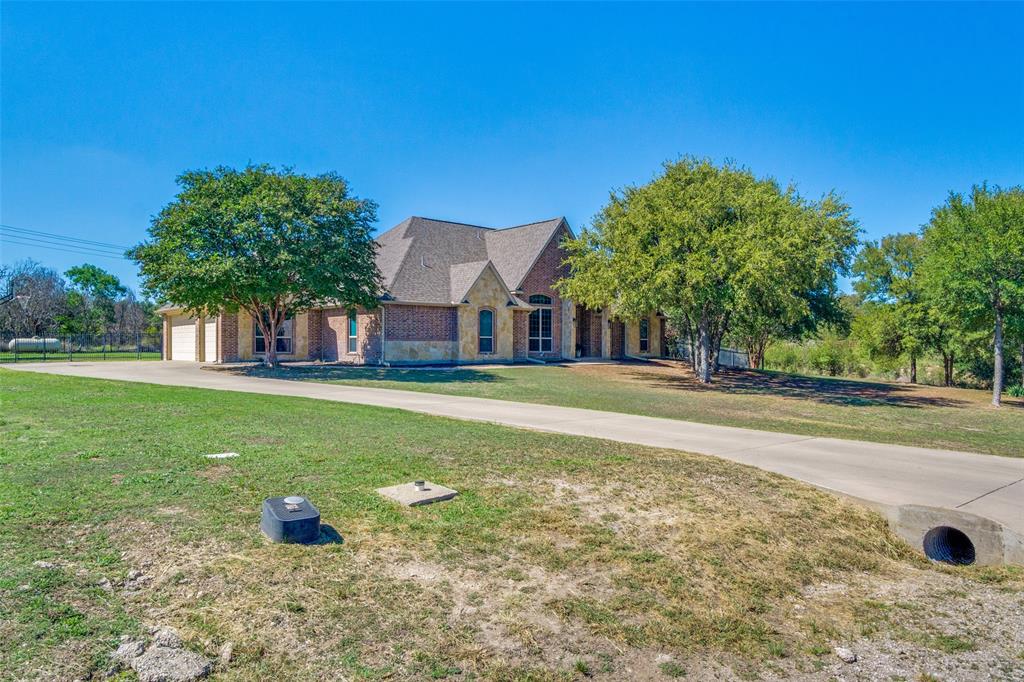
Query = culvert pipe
x=955 y=537
x=949 y=545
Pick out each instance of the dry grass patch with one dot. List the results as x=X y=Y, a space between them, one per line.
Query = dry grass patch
x=562 y=558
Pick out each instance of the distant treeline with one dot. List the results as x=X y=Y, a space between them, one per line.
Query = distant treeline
x=85 y=300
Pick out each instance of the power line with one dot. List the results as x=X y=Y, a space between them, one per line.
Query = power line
x=64 y=237
x=51 y=242
x=57 y=248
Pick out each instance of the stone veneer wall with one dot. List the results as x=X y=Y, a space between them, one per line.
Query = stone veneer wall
x=653 y=336
x=545 y=272
x=488 y=292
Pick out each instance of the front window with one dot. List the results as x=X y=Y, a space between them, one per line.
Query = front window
x=645 y=335
x=353 y=332
x=540 y=325
x=486 y=331
x=284 y=337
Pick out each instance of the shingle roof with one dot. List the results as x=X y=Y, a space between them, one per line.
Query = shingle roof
x=434 y=261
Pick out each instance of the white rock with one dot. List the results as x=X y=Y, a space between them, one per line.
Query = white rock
x=845 y=655
x=163 y=664
x=134 y=574
x=167 y=637
x=105 y=585
x=225 y=653
x=43 y=564
x=128 y=651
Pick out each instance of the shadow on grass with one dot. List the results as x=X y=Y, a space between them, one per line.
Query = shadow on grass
x=328 y=373
x=826 y=390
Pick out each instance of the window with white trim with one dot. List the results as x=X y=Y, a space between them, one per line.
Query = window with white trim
x=284 y=337
x=353 y=332
x=645 y=336
x=540 y=324
x=486 y=329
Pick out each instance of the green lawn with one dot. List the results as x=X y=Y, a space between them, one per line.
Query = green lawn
x=561 y=558
x=956 y=419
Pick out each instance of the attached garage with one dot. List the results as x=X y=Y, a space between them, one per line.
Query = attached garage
x=183 y=338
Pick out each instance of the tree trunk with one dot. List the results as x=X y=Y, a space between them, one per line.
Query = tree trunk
x=913 y=369
x=268 y=327
x=1022 y=364
x=997 y=361
x=703 y=355
x=947 y=368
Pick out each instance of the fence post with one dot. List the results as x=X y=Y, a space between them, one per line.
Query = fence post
x=15 y=349
x=138 y=345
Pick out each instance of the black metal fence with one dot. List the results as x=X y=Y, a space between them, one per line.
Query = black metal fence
x=80 y=347
x=727 y=357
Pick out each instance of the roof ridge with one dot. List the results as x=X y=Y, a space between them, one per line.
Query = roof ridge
x=453 y=222
x=535 y=222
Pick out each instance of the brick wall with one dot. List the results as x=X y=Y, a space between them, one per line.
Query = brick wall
x=545 y=272
x=618 y=339
x=314 y=322
x=520 y=335
x=227 y=337
x=334 y=336
x=421 y=323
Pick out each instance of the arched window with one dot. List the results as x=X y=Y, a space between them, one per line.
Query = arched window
x=486 y=319
x=540 y=299
x=645 y=336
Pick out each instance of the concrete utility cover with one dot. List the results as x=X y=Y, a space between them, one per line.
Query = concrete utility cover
x=407 y=494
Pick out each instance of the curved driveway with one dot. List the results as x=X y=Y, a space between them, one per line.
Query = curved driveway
x=885 y=475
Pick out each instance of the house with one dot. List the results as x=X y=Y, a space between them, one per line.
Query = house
x=454 y=294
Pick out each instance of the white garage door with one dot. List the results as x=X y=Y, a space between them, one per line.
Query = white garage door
x=183 y=338
x=210 y=341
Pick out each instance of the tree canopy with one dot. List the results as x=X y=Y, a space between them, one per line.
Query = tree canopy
x=269 y=242
x=974 y=264
x=710 y=245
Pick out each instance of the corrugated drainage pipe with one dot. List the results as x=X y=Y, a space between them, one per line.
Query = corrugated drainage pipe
x=949 y=546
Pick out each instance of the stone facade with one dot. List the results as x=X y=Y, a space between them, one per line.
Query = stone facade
x=653 y=337
x=488 y=292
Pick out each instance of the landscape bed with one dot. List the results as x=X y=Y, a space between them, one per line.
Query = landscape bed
x=923 y=416
x=561 y=558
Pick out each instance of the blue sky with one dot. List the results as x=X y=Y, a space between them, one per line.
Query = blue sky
x=499 y=114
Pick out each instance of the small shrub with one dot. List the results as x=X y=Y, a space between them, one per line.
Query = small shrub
x=1016 y=391
x=672 y=669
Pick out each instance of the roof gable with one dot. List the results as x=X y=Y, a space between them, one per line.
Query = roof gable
x=433 y=261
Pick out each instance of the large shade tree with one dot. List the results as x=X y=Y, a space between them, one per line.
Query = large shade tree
x=902 y=323
x=704 y=243
x=268 y=242
x=974 y=264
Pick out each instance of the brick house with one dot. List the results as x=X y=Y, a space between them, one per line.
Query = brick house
x=454 y=294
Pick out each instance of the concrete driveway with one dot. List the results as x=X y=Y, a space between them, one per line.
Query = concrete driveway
x=886 y=476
